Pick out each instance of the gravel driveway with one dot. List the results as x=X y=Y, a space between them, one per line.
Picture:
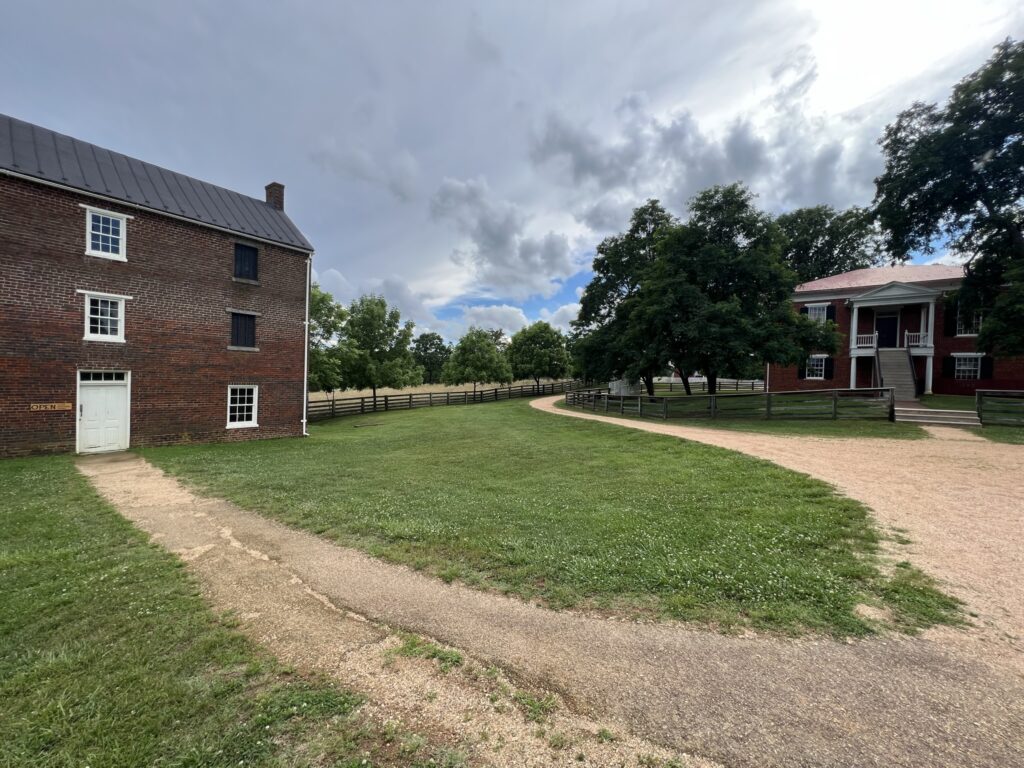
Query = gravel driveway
x=739 y=701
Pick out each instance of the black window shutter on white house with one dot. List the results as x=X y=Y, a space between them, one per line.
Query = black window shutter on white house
x=243 y=330
x=987 y=368
x=246 y=262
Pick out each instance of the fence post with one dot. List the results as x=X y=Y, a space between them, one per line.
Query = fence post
x=410 y=400
x=362 y=405
x=640 y=406
x=664 y=408
x=332 y=405
x=892 y=402
x=767 y=405
x=447 y=398
x=606 y=402
x=835 y=404
x=385 y=402
x=714 y=406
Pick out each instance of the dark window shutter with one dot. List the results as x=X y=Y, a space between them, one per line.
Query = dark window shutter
x=246 y=262
x=830 y=312
x=803 y=310
x=948 y=367
x=830 y=367
x=949 y=310
x=243 y=330
x=987 y=368
x=801 y=369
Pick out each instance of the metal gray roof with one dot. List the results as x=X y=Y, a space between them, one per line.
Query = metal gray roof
x=40 y=153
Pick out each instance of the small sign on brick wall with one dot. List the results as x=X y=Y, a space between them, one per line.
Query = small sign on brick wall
x=50 y=407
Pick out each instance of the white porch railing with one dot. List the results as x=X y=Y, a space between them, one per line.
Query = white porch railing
x=915 y=339
x=865 y=340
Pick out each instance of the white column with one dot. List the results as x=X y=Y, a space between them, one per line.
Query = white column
x=928 y=374
x=853 y=328
x=853 y=373
x=931 y=338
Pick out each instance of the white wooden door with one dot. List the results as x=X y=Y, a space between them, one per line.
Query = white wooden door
x=103 y=417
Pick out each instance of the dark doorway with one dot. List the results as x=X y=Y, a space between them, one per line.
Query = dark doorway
x=887 y=327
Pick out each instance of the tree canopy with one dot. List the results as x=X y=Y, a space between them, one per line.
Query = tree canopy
x=713 y=294
x=954 y=177
x=538 y=351
x=326 y=321
x=377 y=353
x=820 y=241
x=477 y=359
x=431 y=352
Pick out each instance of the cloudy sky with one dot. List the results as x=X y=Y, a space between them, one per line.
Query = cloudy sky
x=464 y=159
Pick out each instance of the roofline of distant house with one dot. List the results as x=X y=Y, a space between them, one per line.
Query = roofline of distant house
x=137 y=206
x=942 y=284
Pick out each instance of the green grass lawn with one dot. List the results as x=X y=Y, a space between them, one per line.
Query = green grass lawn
x=949 y=402
x=798 y=427
x=109 y=657
x=573 y=513
x=998 y=433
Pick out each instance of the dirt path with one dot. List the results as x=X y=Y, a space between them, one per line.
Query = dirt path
x=958 y=497
x=892 y=701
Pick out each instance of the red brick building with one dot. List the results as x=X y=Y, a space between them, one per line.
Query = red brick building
x=900 y=327
x=139 y=306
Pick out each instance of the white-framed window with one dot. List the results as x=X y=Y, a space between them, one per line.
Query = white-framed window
x=243 y=401
x=106 y=234
x=815 y=367
x=969 y=325
x=967 y=367
x=817 y=313
x=104 y=316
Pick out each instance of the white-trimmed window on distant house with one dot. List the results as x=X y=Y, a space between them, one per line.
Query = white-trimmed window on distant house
x=968 y=323
x=816 y=367
x=106 y=234
x=104 y=316
x=817 y=313
x=243 y=402
x=967 y=367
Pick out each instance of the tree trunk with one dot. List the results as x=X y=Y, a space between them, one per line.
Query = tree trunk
x=686 y=383
x=648 y=381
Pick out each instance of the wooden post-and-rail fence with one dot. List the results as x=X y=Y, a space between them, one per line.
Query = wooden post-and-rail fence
x=318 y=410
x=862 y=403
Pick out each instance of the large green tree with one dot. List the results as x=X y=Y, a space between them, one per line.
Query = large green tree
x=820 y=241
x=717 y=297
x=326 y=322
x=954 y=177
x=377 y=352
x=431 y=352
x=604 y=343
x=477 y=359
x=538 y=351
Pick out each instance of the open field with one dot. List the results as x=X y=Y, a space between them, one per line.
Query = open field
x=422 y=389
x=108 y=656
x=575 y=514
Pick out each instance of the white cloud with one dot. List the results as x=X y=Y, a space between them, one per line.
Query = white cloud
x=949 y=258
x=562 y=316
x=505 y=316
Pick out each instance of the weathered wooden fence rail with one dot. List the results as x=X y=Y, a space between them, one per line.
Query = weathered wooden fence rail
x=874 y=403
x=350 y=406
x=723 y=385
x=1001 y=406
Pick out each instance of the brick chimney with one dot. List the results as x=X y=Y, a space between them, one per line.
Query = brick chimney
x=275 y=195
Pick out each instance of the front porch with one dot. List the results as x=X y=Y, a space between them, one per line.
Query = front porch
x=895 y=316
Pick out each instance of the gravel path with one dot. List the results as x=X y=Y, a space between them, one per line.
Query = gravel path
x=957 y=496
x=737 y=701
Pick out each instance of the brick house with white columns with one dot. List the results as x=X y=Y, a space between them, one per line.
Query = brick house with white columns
x=900 y=327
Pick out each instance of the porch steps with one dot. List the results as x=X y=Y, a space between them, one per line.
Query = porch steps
x=936 y=416
x=894 y=365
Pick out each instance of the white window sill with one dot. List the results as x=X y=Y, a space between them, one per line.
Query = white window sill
x=814 y=378
x=243 y=349
x=107 y=256
x=966 y=336
x=242 y=425
x=104 y=339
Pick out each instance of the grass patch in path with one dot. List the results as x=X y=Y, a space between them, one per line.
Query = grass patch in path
x=852 y=428
x=571 y=512
x=999 y=433
x=109 y=657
